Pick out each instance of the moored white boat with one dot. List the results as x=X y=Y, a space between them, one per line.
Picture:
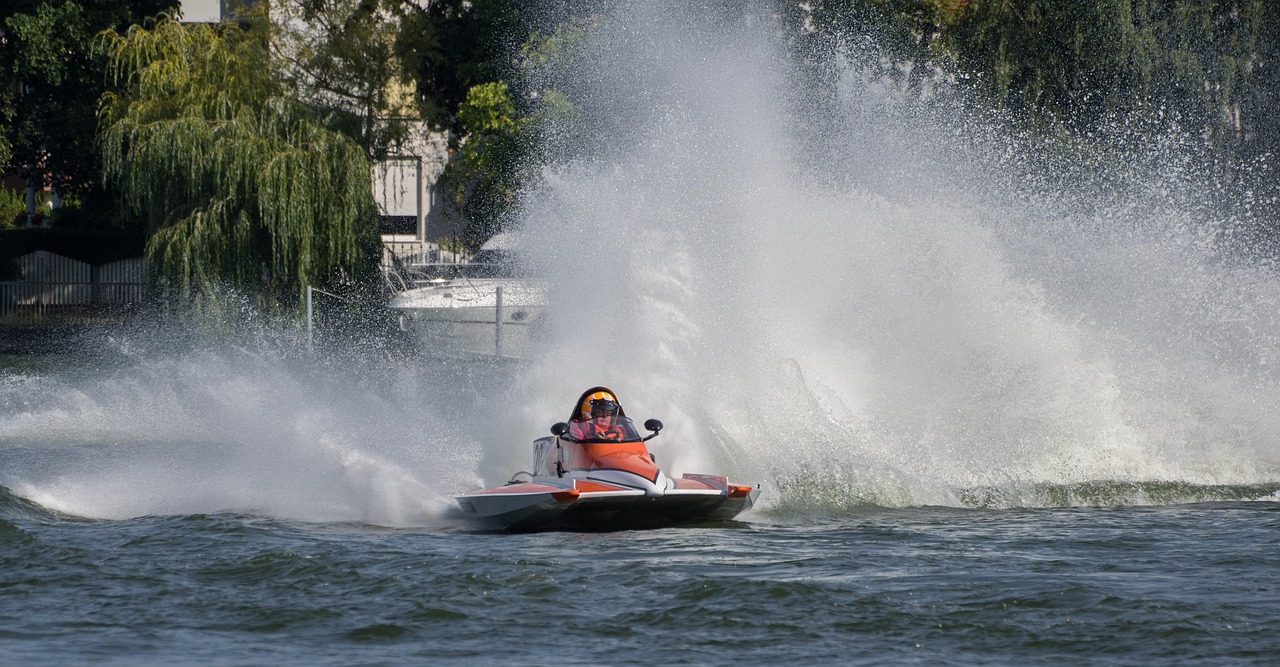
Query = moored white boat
x=485 y=307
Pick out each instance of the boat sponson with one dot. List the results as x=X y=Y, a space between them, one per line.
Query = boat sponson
x=597 y=511
x=592 y=504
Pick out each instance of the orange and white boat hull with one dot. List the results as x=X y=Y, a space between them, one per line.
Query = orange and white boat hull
x=583 y=503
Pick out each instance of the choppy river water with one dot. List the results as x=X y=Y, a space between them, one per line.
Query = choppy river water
x=1008 y=403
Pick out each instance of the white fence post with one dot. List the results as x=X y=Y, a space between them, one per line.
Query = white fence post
x=497 y=322
x=310 y=325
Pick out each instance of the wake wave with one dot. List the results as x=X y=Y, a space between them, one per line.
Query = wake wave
x=206 y=432
x=829 y=493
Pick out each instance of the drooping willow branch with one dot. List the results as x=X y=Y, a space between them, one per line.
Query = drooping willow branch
x=238 y=182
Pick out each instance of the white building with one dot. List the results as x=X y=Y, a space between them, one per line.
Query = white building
x=205 y=11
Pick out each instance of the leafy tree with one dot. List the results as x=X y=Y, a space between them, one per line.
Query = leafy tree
x=483 y=179
x=1084 y=60
x=12 y=204
x=52 y=79
x=341 y=58
x=1201 y=64
x=1089 y=76
x=238 y=181
x=502 y=153
x=512 y=127
x=448 y=46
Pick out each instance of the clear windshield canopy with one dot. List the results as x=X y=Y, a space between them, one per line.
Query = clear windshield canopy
x=604 y=429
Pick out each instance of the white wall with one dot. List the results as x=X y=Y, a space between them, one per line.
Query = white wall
x=201 y=11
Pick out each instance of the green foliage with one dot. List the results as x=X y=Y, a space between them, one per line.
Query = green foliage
x=448 y=46
x=238 y=182
x=881 y=35
x=1074 y=60
x=52 y=79
x=484 y=176
x=1087 y=82
x=545 y=58
x=12 y=205
x=506 y=115
x=510 y=135
x=341 y=58
x=1084 y=77
x=1081 y=61
x=488 y=109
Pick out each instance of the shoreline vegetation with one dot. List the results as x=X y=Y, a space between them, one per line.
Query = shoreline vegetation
x=198 y=143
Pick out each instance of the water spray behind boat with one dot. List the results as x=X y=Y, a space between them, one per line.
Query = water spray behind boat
x=849 y=300
x=867 y=303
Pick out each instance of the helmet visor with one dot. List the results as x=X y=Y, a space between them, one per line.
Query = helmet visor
x=602 y=407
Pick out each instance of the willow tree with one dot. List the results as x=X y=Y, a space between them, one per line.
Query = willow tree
x=1083 y=61
x=238 y=183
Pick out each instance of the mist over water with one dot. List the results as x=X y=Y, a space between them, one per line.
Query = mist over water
x=847 y=302
x=231 y=430
x=869 y=305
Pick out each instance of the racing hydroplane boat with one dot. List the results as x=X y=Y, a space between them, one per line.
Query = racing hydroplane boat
x=595 y=472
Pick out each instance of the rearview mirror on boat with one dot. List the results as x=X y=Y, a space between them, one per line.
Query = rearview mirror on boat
x=560 y=428
x=653 y=425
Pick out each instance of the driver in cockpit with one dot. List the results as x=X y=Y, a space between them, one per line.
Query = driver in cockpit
x=603 y=424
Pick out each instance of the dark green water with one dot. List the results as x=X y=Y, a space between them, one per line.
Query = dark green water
x=997 y=418
x=235 y=508
x=1191 y=584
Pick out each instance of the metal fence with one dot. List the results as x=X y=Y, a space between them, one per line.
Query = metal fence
x=53 y=284
x=407 y=250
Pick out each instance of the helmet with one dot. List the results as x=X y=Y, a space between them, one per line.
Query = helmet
x=601 y=407
x=588 y=399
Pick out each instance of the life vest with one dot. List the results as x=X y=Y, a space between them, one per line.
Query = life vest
x=590 y=430
x=614 y=432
